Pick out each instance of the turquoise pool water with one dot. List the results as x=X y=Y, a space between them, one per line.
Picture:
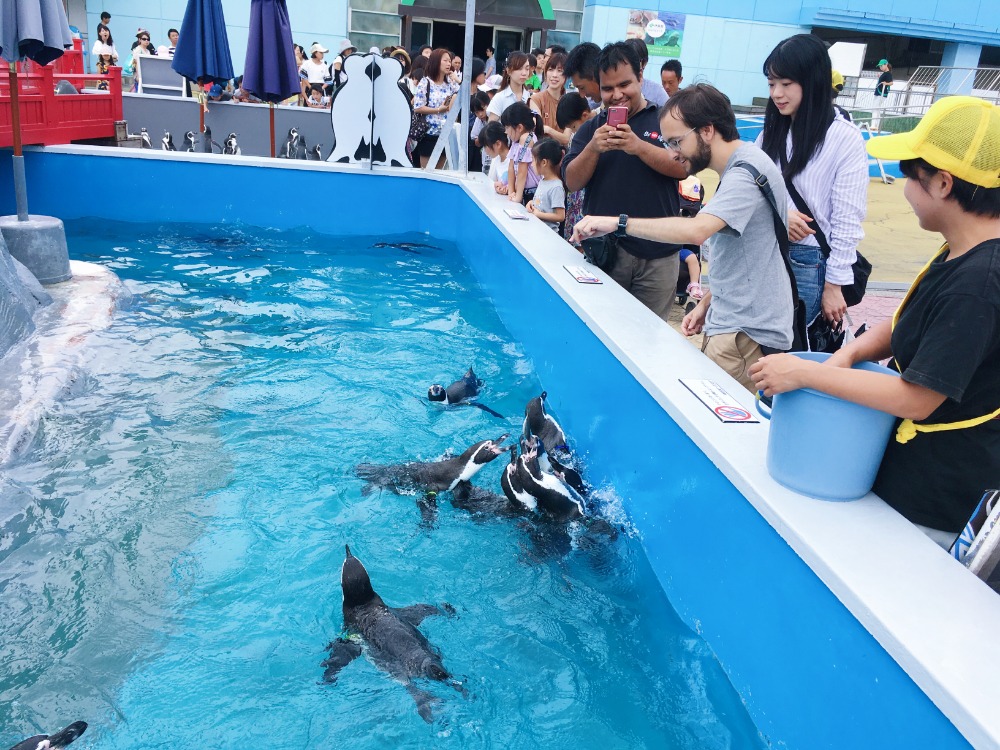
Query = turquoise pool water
x=170 y=560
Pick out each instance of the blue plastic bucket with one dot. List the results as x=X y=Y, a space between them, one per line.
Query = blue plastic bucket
x=823 y=446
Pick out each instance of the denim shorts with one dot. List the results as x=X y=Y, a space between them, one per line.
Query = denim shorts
x=809 y=268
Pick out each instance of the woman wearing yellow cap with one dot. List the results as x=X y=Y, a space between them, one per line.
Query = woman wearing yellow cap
x=945 y=337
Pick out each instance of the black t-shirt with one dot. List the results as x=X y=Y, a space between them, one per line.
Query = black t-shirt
x=883 y=84
x=624 y=184
x=948 y=339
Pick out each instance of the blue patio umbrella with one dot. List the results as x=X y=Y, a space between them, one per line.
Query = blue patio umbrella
x=35 y=30
x=270 y=72
x=202 y=52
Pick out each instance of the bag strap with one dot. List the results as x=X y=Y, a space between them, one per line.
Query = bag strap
x=802 y=206
x=779 y=225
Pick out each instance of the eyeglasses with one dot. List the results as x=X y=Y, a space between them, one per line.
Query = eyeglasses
x=674 y=144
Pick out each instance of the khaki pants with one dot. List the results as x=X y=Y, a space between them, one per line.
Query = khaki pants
x=652 y=282
x=734 y=353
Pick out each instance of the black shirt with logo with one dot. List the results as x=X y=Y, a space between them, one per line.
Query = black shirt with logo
x=624 y=184
x=948 y=339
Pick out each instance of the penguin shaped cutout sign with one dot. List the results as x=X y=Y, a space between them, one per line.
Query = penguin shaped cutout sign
x=370 y=114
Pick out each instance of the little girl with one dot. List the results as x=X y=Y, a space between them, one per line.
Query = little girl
x=497 y=147
x=549 y=203
x=523 y=128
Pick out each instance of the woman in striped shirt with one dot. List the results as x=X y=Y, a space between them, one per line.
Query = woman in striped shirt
x=823 y=159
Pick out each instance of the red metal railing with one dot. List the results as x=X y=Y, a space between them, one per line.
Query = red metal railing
x=48 y=118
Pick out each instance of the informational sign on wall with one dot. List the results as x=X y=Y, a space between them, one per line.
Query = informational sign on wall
x=662 y=31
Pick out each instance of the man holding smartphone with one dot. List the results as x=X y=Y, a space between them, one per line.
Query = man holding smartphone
x=627 y=172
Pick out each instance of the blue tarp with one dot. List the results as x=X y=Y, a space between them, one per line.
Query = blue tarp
x=202 y=52
x=270 y=71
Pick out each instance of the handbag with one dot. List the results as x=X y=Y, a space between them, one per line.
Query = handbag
x=601 y=251
x=800 y=332
x=862 y=268
x=418 y=125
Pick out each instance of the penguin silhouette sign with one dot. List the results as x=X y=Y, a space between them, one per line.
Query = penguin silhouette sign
x=370 y=114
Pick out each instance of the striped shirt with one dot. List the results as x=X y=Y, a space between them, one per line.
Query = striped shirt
x=834 y=184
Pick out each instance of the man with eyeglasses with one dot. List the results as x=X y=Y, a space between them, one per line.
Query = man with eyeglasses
x=626 y=171
x=749 y=310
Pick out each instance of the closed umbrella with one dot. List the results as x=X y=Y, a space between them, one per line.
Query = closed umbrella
x=35 y=30
x=270 y=72
x=202 y=52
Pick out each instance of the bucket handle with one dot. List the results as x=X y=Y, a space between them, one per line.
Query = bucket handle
x=762 y=402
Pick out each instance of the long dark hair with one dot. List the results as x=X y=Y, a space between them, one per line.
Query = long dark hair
x=433 y=67
x=111 y=39
x=801 y=58
x=521 y=114
x=515 y=61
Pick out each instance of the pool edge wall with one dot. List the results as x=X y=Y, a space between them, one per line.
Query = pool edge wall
x=836 y=622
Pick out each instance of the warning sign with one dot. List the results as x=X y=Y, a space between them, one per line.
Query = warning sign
x=720 y=401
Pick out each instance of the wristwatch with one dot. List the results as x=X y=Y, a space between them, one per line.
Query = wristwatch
x=622 y=223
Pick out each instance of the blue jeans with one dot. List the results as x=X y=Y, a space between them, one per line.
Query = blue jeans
x=809 y=268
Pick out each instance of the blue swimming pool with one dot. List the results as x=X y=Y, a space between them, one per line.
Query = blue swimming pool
x=176 y=576
x=835 y=622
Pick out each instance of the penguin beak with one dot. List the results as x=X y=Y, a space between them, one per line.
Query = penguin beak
x=498 y=446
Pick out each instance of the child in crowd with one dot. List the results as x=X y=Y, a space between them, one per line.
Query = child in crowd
x=477 y=162
x=571 y=113
x=523 y=127
x=549 y=203
x=534 y=81
x=497 y=147
x=103 y=63
x=317 y=98
x=692 y=198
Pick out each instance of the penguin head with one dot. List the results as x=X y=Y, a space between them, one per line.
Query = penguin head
x=355 y=582
x=534 y=411
x=293 y=134
x=232 y=137
x=485 y=451
x=431 y=669
x=189 y=135
x=436 y=393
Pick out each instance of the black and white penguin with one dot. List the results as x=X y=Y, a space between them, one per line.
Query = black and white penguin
x=53 y=741
x=189 y=142
x=435 y=476
x=554 y=498
x=483 y=503
x=316 y=153
x=394 y=643
x=542 y=425
x=207 y=144
x=230 y=146
x=510 y=483
x=465 y=388
x=167 y=143
x=144 y=138
x=408 y=247
x=288 y=149
x=300 y=148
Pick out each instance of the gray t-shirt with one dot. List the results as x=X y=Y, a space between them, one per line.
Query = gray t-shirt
x=550 y=195
x=750 y=287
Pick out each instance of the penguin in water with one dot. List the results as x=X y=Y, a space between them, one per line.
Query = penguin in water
x=460 y=392
x=288 y=149
x=394 y=643
x=144 y=138
x=189 y=141
x=230 y=146
x=434 y=476
x=554 y=453
x=553 y=496
x=53 y=741
x=167 y=143
x=511 y=485
x=482 y=503
x=407 y=247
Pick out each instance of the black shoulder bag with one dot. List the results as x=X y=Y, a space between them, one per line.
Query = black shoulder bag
x=862 y=269
x=800 y=335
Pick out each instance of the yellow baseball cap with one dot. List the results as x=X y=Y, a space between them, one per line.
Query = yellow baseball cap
x=838 y=80
x=959 y=134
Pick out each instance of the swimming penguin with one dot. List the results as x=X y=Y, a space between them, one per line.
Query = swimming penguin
x=510 y=483
x=483 y=503
x=53 y=741
x=144 y=138
x=168 y=141
x=230 y=146
x=435 y=476
x=554 y=497
x=539 y=423
x=288 y=149
x=394 y=643
x=408 y=247
x=460 y=392
x=316 y=153
x=189 y=141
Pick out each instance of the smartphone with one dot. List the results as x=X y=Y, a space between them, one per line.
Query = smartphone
x=617 y=116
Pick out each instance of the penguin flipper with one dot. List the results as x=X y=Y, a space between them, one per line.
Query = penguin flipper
x=342 y=653
x=486 y=409
x=423 y=699
x=417 y=613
